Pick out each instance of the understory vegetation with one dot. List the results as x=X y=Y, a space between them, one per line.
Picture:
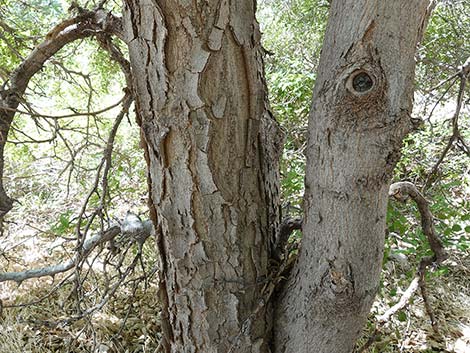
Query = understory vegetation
x=68 y=184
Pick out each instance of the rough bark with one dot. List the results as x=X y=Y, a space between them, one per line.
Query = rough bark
x=212 y=149
x=360 y=114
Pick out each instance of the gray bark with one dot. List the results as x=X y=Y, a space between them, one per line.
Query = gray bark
x=212 y=149
x=360 y=114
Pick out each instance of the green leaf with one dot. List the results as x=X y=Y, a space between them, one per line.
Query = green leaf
x=402 y=316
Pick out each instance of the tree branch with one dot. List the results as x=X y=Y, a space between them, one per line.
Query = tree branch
x=72 y=115
x=288 y=225
x=456 y=136
x=401 y=191
x=131 y=230
x=86 y=24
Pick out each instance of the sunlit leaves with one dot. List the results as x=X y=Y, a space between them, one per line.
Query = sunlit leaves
x=23 y=24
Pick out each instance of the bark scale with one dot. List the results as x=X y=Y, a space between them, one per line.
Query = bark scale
x=360 y=114
x=212 y=149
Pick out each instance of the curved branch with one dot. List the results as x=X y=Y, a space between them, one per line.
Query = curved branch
x=86 y=24
x=401 y=191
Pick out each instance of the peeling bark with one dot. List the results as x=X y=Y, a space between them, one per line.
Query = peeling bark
x=212 y=148
x=360 y=114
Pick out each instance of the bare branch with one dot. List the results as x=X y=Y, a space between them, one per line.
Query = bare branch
x=73 y=115
x=132 y=233
x=405 y=298
x=86 y=24
x=63 y=267
x=105 y=165
x=456 y=136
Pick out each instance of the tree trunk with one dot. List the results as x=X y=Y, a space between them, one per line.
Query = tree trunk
x=212 y=149
x=360 y=114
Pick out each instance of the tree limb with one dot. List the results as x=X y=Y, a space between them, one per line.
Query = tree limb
x=132 y=232
x=401 y=191
x=86 y=24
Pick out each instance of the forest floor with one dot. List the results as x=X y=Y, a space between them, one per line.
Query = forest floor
x=410 y=329
x=130 y=322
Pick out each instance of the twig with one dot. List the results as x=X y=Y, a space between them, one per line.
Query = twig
x=72 y=115
x=443 y=82
x=404 y=299
x=105 y=164
x=441 y=97
x=456 y=136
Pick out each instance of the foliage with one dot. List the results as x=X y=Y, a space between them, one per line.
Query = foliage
x=23 y=25
x=293 y=33
x=445 y=46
